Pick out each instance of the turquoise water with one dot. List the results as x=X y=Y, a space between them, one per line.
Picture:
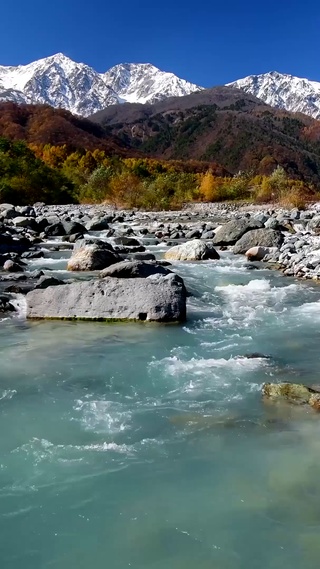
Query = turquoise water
x=148 y=446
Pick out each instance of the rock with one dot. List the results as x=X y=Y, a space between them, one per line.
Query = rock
x=292 y=392
x=193 y=234
x=9 y=212
x=272 y=223
x=14 y=277
x=5 y=304
x=12 y=267
x=134 y=269
x=26 y=210
x=54 y=230
x=46 y=281
x=99 y=223
x=36 y=274
x=122 y=250
x=295 y=213
x=314 y=223
x=256 y=355
x=29 y=222
x=251 y=267
x=261 y=217
x=195 y=250
x=208 y=235
x=32 y=255
x=150 y=241
x=91 y=257
x=73 y=227
x=159 y=299
x=232 y=231
x=258 y=253
x=75 y=237
x=5 y=207
x=258 y=237
x=314 y=401
x=144 y=257
x=8 y=244
x=127 y=241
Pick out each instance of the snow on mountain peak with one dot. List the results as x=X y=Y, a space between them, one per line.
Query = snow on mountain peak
x=283 y=91
x=59 y=81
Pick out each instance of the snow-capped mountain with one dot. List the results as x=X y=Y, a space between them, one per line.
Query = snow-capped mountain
x=144 y=83
x=284 y=92
x=63 y=83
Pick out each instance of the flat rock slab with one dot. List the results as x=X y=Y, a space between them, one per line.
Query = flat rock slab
x=157 y=298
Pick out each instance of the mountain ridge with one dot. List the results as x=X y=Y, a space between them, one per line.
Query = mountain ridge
x=61 y=82
x=283 y=91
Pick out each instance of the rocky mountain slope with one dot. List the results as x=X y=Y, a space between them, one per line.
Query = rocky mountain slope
x=62 y=83
x=224 y=125
x=284 y=92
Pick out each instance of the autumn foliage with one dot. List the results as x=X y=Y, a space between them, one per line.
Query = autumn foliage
x=58 y=174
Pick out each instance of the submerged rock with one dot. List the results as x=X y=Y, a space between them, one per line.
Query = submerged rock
x=256 y=355
x=198 y=422
x=157 y=298
x=195 y=250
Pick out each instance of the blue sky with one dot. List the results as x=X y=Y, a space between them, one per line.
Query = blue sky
x=207 y=42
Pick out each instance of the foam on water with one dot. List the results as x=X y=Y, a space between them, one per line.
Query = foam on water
x=175 y=366
x=8 y=394
x=104 y=416
x=307 y=310
x=243 y=304
x=20 y=305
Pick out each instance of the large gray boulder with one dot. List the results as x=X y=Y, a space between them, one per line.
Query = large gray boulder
x=92 y=256
x=258 y=238
x=232 y=231
x=134 y=269
x=157 y=298
x=195 y=250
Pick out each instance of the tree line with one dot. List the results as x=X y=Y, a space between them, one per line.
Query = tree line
x=54 y=174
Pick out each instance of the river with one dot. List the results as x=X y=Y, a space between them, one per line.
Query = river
x=149 y=446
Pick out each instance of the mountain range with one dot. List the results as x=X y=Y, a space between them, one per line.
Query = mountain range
x=225 y=125
x=62 y=83
x=242 y=126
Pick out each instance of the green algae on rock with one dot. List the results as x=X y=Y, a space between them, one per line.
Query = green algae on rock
x=293 y=393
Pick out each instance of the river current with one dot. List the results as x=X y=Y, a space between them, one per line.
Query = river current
x=148 y=446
